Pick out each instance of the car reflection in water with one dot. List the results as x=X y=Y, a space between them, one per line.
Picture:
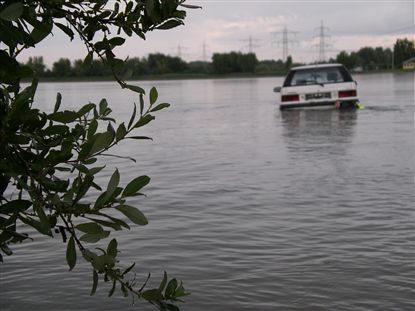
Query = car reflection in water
x=318 y=133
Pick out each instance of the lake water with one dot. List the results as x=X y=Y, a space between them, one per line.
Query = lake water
x=252 y=208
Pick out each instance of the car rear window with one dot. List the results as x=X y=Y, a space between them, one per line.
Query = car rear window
x=313 y=76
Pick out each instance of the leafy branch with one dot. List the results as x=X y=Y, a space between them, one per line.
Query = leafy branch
x=47 y=172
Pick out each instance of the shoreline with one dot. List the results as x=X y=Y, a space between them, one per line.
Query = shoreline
x=196 y=76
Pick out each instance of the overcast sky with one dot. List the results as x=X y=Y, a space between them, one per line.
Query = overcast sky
x=227 y=25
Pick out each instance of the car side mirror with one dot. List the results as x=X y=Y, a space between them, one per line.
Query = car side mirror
x=277 y=89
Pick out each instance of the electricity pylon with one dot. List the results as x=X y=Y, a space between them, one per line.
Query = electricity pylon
x=322 y=44
x=251 y=45
x=285 y=41
x=204 y=51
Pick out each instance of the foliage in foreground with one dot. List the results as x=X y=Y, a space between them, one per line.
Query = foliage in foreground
x=48 y=160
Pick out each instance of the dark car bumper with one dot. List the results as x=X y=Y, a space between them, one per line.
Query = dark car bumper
x=344 y=104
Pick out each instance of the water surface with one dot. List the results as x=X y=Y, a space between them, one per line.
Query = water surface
x=252 y=208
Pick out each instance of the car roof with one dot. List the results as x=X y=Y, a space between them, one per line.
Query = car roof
x=315 y=66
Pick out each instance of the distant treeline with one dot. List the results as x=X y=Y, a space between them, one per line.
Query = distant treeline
x=367 y=58
x=158 y=64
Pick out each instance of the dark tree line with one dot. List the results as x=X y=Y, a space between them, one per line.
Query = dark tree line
x=159 y=64
x=369 y=58
x=154 y=64
x=366 y=58
x=233 y=62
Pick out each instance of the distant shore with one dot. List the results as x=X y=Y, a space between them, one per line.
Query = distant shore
x=196 y=76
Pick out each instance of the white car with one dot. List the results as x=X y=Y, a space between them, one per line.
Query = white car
x=320 y=85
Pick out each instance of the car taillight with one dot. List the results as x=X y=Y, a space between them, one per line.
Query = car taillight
x=290 y=98
x=348 y=93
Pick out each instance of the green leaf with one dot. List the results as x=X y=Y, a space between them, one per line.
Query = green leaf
x=112 y=248
x=92 y=128
x=111 y=292
x=132 y=116
x=6 y=250
x=55 y=130
x=84 y=186
x=135 y=185
x=135 y=215
x=33 y=223
x=116 y=63
x=153 y=95
x=180 y=291
x=94 y=282
x=90 y=227
x=85 y=109
x=58 y=102
x=171 y=307
x=66 y=116
x=71 y=253
x=44 y=220
x=88 y=255
x=141 y=104
x=102 y=141
x=152 y=295
x=15 y=206
x=190 y=6
x=41 y=30
x=103 y=261
x=135 y=88
x=113 y=182
x=12 y=12
x=106 y=196
x=163 y=282
x=93 y=238
x=105 y=223
x=66 y=30
x=150 y=7
x=144 y=120
x=117 y=41
x=103 y=105
x=121 y=132
x=128 y=269
x=116 y=220
x=101 y=45
x=88 y=60
x=171 y=288
x=160 y=106
x=96 y=170
x=171 y=23
x=139 y=137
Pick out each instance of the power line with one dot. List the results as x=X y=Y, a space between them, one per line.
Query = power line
x=285 y=41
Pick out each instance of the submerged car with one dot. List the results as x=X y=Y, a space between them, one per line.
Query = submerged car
x=318 y=86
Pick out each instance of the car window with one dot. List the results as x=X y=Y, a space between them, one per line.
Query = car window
x=314 y=76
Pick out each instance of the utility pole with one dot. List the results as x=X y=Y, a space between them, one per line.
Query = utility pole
x=322 y=42
x=251 y=44
x=204 y=51
x=285 y=41
x=179 y=50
